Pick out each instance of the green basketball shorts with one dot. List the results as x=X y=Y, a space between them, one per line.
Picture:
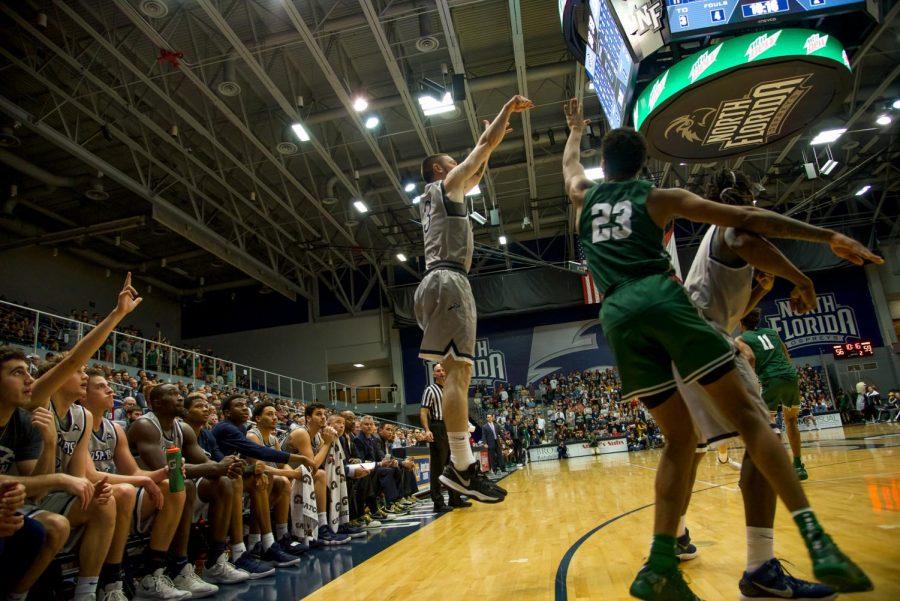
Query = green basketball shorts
x=781 y=391
x=650 y=324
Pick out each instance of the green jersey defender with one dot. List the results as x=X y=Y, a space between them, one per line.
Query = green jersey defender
x=646 y=314
x=777 y=376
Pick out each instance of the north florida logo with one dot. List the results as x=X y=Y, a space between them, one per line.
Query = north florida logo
x=567 y=347
x=691 y=127
x=830 y=322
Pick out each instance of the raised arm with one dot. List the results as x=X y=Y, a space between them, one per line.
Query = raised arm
x=762 y=254
x=666 y=203
x=576 y=182
x=463 y=173
x=45 y=385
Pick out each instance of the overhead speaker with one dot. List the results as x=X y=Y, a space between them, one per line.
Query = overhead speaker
x=458 y=84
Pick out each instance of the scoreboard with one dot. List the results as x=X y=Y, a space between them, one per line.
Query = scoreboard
x=608 y=62
x=687 y=18
x=853 y=350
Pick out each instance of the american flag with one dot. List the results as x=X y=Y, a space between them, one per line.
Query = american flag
x=592 y=295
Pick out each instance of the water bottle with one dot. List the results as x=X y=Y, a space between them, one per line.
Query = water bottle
x=174 y=461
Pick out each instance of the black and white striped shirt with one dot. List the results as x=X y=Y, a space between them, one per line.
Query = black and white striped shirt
x=433 y=399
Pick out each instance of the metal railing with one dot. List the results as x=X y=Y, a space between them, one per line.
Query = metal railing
x=40 y=332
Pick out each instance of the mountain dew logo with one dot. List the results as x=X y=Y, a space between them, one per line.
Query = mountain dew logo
x=704 y=61
x=815 y=42
x=658 y=88
x=761 y=44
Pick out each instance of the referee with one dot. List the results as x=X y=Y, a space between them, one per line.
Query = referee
x=432 y=416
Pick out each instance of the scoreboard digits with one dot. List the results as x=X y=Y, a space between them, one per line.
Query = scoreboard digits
x=853 y=350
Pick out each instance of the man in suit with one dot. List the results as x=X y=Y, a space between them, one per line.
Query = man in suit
x=490 y=434
x=387 y=471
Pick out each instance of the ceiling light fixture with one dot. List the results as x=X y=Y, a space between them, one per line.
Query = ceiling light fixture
x=358 y=365
x=372 y=122
x=828 y=136
x=410 y=187
x=300 y=132
x=502 y=240
x=432 y=106
x=896 y=104
x=863 y=190
x=360 y=104
x=883 y=119
x=401 y=257
x=361 y=206
x=417 y=200
x=595 y=173
x=828 y=167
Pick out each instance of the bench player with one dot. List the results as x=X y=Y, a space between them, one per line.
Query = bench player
x=157 y=511
x=444 y=305
x=651 y=323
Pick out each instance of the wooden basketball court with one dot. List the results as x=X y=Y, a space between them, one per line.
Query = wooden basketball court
x=580 y=529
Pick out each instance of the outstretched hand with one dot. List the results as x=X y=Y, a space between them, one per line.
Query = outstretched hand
x=519 y=103
x=128 y=297
x=849 y=249
x=575 y=115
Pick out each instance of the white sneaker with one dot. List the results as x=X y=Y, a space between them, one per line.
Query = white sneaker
x=372 y=524
x=158 y=586
x=224 y=572
x=114 y=594
x=735 y=465
x=189 y=582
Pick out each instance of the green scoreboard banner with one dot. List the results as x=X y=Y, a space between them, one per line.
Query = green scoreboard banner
x=742 y=94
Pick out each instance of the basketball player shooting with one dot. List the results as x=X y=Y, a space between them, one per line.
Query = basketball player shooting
x=444 y=305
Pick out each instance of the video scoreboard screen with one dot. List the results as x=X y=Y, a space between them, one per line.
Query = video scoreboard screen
x=690 y=17
x=608 y=62
x=853 y=350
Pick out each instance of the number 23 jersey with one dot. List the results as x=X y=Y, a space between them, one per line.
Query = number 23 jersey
x=620 y=241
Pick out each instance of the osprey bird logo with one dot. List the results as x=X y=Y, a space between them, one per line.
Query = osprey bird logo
x=684 y=125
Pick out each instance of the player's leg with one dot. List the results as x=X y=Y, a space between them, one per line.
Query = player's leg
x=445 y=309
x=764 y=575
x=281 y=502
x=248 y=561
x=152 y=583
x=660 y=578
x=98 y=521
x=791 y=424
x=56 y=533
x=684 y=549
x=112 y=575
x=829 y=564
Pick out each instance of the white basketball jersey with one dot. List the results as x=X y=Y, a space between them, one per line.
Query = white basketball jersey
x=271 y=443
x=449 y=241
x=102 y=447
x=68 y=434
x=166 y=439
x=719 y=291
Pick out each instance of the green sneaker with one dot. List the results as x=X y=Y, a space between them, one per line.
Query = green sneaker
x=832 y=567
x=652 y=586
x=800 y=469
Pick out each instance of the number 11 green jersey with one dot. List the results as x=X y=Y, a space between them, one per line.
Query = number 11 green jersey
x=771 y=361
x=620 y=241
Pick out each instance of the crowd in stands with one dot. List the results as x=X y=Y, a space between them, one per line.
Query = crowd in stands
x=578 y=406
x=85 y=476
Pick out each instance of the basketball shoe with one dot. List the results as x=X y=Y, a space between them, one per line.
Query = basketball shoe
x=685 y=550
x=661 y=586
x=800 y=469
x=772 y=582
x=830 y=565
x=472 y=483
